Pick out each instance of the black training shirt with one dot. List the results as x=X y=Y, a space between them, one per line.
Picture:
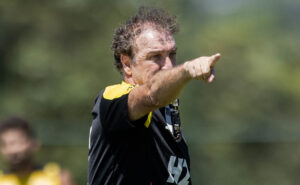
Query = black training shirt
x=142 y=152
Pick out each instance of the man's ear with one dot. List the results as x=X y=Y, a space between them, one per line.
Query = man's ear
x=126 y=63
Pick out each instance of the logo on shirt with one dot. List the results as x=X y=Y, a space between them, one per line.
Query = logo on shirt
x=176 y=171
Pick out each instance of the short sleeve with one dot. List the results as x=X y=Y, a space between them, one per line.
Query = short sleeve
x=113 y=109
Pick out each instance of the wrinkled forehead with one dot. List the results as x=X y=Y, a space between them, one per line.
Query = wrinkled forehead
x=152 y=38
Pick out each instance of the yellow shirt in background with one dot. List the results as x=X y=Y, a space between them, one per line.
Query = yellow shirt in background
x=49 y=175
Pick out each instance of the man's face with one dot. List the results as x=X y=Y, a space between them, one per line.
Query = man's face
x=154 y=51
x=16 y=147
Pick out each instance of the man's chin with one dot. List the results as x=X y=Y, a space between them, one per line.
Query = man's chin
x=17 y=163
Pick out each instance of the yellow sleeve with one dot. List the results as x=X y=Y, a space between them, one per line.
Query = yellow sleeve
x=49 y=175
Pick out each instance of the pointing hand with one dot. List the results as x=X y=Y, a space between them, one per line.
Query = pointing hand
x=202 y=68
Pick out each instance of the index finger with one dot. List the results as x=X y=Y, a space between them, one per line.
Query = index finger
x=213 y=59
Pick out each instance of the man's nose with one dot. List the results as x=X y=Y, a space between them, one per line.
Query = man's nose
x=167 y=63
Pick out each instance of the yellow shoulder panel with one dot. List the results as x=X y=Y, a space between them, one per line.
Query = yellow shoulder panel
x=9 y=179
x=40 y=178
x=52 y=169
x=116 y=91
x=50 y=175
x=148 y=121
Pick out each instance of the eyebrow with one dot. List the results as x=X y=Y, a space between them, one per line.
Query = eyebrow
x=159 y=51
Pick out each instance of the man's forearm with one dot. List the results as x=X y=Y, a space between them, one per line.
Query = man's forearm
x=166 y=85
x=159 y=91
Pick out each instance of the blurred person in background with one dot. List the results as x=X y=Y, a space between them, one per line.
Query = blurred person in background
x=135 y=137
x=18 y=146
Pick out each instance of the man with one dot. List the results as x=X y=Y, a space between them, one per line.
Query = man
x=135 y=137
x=18 y=146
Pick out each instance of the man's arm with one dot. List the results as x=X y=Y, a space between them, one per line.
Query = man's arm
x=166 y=85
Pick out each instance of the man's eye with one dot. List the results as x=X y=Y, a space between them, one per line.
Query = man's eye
x=172 y=54
x=156 y=56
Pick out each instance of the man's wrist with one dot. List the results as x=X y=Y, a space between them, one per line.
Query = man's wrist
x=186 y=72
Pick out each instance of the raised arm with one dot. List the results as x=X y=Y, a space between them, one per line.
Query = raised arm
x=166 y=85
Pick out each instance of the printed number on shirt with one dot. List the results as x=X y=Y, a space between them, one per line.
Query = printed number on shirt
x=176 y=170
